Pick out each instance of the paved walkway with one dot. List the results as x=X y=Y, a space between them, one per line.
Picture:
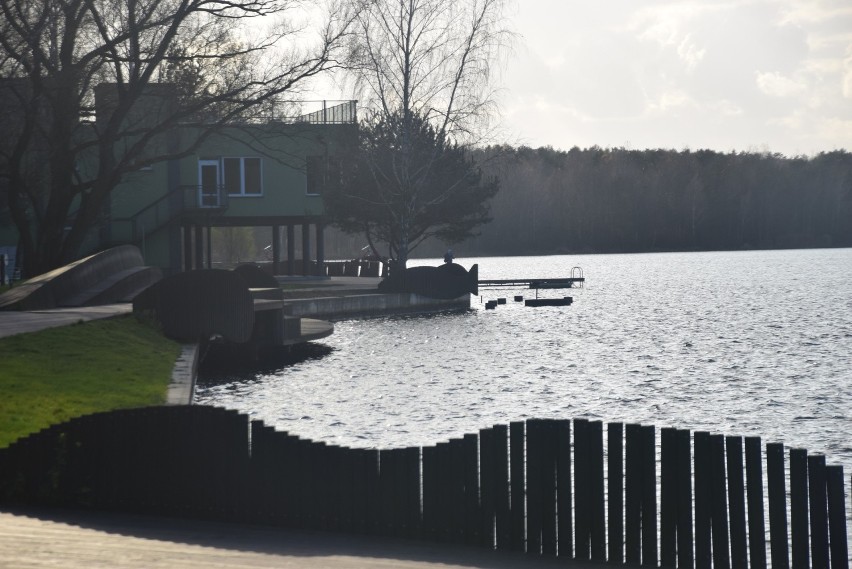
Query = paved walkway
x=74 y=540
x=18 y=322
x=15 y=322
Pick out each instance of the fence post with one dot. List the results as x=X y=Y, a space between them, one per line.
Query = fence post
x=455 y=490
x=736 y=502
x=444 y=512
x=360 y=496
x=548 y=451
x=615 y=489
x=818 y=511
x=837 y=517
x=779 y=553
x=703 y=550
x=719 y=507
x=516 y=448
x=488 y=467
x=535 y=508
x=632 y=495
x=649 y=496
x=799 y=508
x=413 y=465
x=597 y=508
x=668 y=497
x=470 y=445
x=756 y=518
x=319 y=482
x=374 y=505
x=501 y=487
x=349 y=492
x=565 y=529
x=431 y=488
x=685 y=541
x=582 y=485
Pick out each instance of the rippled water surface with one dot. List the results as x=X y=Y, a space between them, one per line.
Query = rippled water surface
x=736 y=343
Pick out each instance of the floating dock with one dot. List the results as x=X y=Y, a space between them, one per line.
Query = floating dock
x=564 y=282
x=566 y=301
x=576 y=278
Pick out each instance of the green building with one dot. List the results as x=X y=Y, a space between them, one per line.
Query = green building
x=269 y=173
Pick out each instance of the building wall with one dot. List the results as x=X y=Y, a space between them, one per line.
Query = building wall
x=282 y=150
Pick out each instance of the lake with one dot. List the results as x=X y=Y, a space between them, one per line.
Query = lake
x=748 y=343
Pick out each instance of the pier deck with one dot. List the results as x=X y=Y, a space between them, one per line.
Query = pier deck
x=562 y=282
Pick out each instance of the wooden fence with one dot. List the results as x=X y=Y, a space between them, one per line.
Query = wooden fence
x=575 y=489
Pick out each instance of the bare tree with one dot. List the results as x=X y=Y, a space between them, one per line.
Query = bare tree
x=417 y=61
x=154 y=64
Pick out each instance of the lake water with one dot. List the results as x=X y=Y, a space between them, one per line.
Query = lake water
x=751 y=343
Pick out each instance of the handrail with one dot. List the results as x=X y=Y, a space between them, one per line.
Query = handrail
x=342 y=113
x=166 y=208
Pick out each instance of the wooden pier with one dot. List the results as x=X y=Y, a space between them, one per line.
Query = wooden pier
x=576 y=278
x=555 y=283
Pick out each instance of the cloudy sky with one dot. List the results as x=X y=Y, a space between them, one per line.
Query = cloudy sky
x=738 y=75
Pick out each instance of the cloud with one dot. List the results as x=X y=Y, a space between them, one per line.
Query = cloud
x=807 y=12
x=846 y=88
x=671 y=100
x=689 y=52
x=669 y=24
x=726 y=108
x=777 y=85
x=719 y=74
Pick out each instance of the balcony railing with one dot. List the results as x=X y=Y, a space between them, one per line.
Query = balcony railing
x=342 y=113
x=181 y=200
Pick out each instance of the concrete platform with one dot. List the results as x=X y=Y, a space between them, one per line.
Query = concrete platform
x=312 y=329
x=78 y=540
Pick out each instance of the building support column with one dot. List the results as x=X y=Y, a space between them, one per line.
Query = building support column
x=209 y=247
x=291 y=249
x=187 y=247
x=199 y=247
x=276 y=248
x=306 y=249
x=320 y=229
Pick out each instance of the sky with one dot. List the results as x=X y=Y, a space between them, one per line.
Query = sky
x=738 y=75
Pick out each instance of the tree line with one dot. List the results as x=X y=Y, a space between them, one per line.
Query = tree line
x=619 y=200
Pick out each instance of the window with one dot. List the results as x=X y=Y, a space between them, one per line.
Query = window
x=322 y=172
x=242 y=176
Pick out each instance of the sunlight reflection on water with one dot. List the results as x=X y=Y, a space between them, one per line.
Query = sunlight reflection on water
x=752 y=343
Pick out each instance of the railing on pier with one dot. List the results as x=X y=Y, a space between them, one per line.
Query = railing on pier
x=574 y=489
x=552 y=283
x=355 y=268
x=181 y=200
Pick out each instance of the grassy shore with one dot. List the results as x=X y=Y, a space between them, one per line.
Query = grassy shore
x=51 y=376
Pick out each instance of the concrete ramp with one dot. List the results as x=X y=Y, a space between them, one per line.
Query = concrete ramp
x=122 y=286
x=114 y=275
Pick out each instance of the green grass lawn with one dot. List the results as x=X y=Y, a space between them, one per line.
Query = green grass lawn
x=51 y=376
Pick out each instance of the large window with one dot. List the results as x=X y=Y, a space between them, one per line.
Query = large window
x=242 y=176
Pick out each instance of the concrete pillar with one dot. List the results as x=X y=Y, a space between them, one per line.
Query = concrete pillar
x=320 y=229
x=291 y=249
x=187 y=247
x=199 y=247
x=306 y=249
x=276 y=248
x=209 y=247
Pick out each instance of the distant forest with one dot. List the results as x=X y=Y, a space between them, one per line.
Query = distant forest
x=618 y=200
